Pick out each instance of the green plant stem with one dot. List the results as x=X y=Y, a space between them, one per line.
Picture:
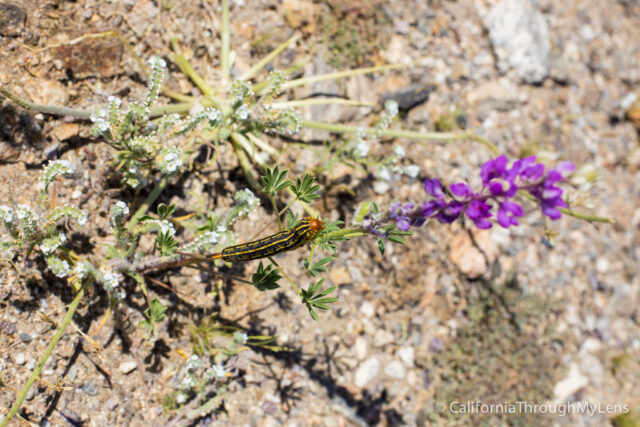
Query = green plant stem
x=36 y=372
x=275 y=210
x=435 y=136
x=225 y=42
x=245 y=164
x=148 y=202
x=188 y=70
x=347 y=232
x=321 y=101
x=343 y=74
x=286 y=276
x=47 y=109
x=584 y=217
x=308 y=209
x=268 y=58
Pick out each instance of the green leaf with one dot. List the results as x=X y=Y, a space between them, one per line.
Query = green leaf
x=166 y=244
x=292 y=220
x=165 y=211
x=305 y=190
x=275 y=181
x=381 y=245
x=319 y=266
x=317 y=300
x=396 y=239
x=266 y=278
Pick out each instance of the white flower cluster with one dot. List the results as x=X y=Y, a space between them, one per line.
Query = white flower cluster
x=100 y=119
x=216 y=371
x=167 y=227
x=67 y=211
x=6 y=213
x=171 y=160
x=242 y=112
x=49 y=246
x=187 y=382
x=59 y=267
x=110 y=280
x=52 y=170
x=193 y=362
x=240 y=337
x=118 y=212
x=246 y=202
x=81 y=270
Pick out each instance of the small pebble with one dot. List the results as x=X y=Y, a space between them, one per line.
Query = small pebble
x=395 y=370
x=407 y=355
x=128 y=366
x=89 y=389
x=366 y=372
x=26 y=338
x=20 y=359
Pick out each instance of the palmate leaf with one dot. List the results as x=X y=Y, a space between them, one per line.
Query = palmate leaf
x=314 y=298
x=275 y=181
x=266 y=278
x=318 y=266
x=305 y=190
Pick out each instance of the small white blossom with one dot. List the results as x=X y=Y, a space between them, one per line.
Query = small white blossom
x=242 y=112
x=181 y=398
x=6 y=213
x=240 y=337
x=361 y=149
x=218 y=371
x=187 y=383
x=122 y=207
x=399 y=151
x=193 y=362
x=210 y=238
x=58 y=267
x=384 y=174
x=167 y=227
x=110 y=280
x=81 y=270
x=412 y=171
x=156 y=61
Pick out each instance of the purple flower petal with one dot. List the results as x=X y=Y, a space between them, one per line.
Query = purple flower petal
x=508 y=212
x=431 y=207
x=460 y=189
x=403 y=223
x=393 y=210
x=434 y=188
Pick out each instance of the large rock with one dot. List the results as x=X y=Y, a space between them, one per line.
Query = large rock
x=520 y=38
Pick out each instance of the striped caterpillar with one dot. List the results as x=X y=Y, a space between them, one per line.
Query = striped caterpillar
x=307 y=229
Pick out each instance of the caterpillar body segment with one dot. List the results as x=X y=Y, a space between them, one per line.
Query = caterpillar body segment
x=306 y=230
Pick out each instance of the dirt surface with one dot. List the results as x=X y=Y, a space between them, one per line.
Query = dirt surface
x=435 y=321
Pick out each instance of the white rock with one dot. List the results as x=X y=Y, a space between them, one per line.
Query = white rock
x=520 y=38
x=366 y=372
x=407 y=355
x=395 y=369
x=360 y=347
x=127 y=366
x=367 y=309
x=20 y=359
x=382 y=338
x=571 y=384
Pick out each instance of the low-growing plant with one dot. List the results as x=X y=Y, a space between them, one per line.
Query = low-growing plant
x=151 y=145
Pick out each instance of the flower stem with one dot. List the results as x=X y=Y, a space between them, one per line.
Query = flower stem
x=275 y=210
x=436 y=136
x=188 y=70
x=148 y=202
x=36 y=372
x=268 y=58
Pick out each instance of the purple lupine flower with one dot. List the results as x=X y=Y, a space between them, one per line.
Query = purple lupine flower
x=500 y=184
x=479 y=213
x=401 y=214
